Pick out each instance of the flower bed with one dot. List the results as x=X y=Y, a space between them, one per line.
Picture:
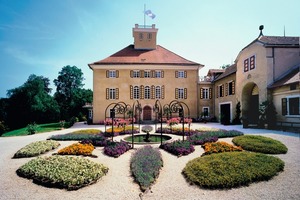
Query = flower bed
x=231 y=169
x=115 y=149
x=77 y=149
x=178 y=147
x=88 y=131
x=77 y=136
x=177 y=131
x=260 y=144
x=201 y=138
x=63 y=172
x=145 y=164
x=36 y=148
x=120 y=131
x=219 y=147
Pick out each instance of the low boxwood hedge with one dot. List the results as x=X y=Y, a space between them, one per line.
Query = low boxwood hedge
x=231 y=169
x=145 y=165
x=36 y=148
x=260 y=144
x=63 y=171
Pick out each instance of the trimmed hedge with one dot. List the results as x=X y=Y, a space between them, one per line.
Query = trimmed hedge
x=36 y=148
x=62 y=171
x=231 y=169
x=260 y=144
x=88 y=131
x=145 y=164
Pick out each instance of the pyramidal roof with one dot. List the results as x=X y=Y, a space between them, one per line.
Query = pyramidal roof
x=160 y=55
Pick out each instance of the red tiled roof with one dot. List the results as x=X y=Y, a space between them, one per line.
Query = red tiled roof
x=228 y=71
x=160 y=55
x=291 y=77
x=279 y=40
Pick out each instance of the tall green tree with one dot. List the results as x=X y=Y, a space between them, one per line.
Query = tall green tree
x=69 y=92
x=31 y=102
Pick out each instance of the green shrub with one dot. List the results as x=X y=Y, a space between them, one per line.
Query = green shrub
x=231 y=169
x=36 y=148
x=260 y=144
x=145 y=164
x=32 y=128
x=63 y=171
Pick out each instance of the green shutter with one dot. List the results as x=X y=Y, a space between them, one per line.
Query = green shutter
x=162 y=90
x=107 y=93
x=185 y=93
x=131 y=92
x=176 y=93
x=201 y=93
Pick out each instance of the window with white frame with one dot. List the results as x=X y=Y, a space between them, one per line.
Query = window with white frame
x=180 y=74
x=180 y=93
x=291 y=105
x=112 y=73
x=157 y=92
x=136 y=92
x=147 y=74
x=157 y=74
x=112 y=93
x=205 y=93
x=136 y=73
x=147 y=92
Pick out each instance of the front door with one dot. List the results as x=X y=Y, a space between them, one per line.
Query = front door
x=147 y=113
x=225 y=114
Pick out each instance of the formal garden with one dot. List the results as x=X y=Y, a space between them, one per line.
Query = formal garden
x=223 y=165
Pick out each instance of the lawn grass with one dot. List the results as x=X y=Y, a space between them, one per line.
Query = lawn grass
x=42 y=128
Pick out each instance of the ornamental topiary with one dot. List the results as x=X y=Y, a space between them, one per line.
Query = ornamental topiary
x=231 y=169
x=145 y=164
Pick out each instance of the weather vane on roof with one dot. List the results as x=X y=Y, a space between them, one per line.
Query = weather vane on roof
x=149 y=13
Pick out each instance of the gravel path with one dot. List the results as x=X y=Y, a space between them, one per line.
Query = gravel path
x=118 y=183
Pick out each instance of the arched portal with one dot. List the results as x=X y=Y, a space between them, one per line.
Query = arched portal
x=250 y=103
x=147 y=113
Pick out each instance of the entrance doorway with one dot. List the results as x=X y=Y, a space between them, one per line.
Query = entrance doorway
x=225 y=113
x=250 y=103
x=147 y=113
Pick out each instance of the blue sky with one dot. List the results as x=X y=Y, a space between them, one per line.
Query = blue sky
x=40 y=37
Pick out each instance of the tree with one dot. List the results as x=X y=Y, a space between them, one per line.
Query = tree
x=31 y=102
x=69 y=93
x=225 y=66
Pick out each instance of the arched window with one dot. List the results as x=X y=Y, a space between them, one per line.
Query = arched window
x=147 y=92
x=158 y=92
x=136 y=92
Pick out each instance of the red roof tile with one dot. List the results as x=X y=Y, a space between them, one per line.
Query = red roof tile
x=160 y=55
